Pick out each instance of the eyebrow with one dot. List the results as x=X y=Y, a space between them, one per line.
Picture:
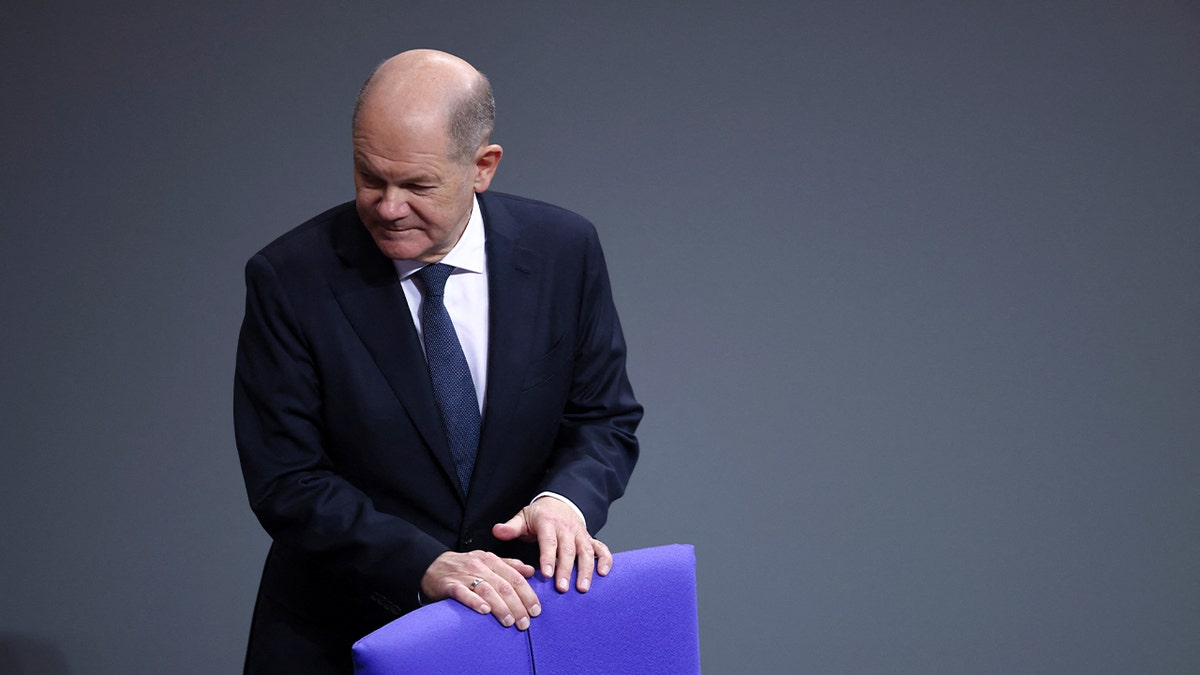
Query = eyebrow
x=363 y=166
x=361 y=162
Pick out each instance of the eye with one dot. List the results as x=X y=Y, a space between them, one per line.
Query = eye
x=369 y=180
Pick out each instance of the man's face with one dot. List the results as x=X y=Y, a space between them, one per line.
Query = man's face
x=413 y=198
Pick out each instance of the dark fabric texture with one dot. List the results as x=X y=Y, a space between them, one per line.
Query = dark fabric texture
x=342 y=446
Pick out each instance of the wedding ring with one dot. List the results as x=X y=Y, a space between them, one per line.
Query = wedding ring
x=475 y=582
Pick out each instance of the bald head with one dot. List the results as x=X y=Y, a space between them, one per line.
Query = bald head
x=428 y=87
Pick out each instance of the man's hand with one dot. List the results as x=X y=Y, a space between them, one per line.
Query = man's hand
x=486 y=583
x=562 y=542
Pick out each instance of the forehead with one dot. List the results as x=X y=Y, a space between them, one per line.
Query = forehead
x=403 y=166
x=386 y=132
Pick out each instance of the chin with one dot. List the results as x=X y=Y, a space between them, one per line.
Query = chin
x=401 y=252
x=399 y=247
x=397 y=251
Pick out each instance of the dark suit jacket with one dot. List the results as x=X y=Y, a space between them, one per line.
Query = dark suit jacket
x=345 y=460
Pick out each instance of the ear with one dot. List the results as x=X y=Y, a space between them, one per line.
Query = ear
x=486 y=160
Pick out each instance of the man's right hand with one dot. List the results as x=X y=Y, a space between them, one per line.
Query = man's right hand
x=499 y=586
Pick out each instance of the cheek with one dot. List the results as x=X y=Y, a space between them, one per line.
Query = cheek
x=363 y=207
x=431 y=209
x=366 y=198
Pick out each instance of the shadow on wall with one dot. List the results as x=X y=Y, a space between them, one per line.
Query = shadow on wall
x=30 y=656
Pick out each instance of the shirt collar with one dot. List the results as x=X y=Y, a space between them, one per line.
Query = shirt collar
x=467 y=254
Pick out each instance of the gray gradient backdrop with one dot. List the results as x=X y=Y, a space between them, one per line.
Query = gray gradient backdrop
x=912 y=293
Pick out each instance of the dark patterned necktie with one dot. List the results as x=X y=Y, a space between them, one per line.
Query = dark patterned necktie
x=448 y=369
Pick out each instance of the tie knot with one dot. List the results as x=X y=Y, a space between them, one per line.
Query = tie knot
x=434 y=278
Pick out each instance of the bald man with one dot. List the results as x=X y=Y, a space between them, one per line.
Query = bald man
x=351 y=433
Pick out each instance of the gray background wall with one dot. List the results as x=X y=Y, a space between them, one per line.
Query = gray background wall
x=912 y=293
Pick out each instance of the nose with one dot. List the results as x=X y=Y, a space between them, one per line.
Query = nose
x=394 y=204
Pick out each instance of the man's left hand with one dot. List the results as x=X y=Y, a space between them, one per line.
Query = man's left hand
x=563 y=542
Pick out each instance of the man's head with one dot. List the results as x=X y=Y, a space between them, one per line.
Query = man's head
x=422 y=126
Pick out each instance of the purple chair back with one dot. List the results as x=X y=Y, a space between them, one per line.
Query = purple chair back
x=641 y=618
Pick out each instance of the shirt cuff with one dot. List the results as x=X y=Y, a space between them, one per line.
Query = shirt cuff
x=568 y=502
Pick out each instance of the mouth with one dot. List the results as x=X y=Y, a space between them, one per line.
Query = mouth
x=396 y=228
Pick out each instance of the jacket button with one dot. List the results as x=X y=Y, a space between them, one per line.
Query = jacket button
x=468 y=540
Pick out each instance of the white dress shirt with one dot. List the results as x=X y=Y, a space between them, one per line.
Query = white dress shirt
x=466 y=297
x=466 y=300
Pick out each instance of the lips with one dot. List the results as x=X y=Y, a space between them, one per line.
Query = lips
x=397 y=229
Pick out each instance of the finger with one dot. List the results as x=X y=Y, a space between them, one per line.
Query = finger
x=586 y=560
x=506 y=606
x=506 y=589
x=515 y=527
x=522 y=602
x=523 y=568
x=525 y=593
x=465 y=595
x=547 y=550
x=604 y=559
x=566 y=562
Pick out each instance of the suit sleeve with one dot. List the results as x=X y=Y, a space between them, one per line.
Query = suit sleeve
x=293 y=487
x=596 y=447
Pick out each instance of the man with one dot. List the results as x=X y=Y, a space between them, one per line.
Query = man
x=387 y=474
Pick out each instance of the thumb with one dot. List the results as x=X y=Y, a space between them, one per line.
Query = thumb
x=515 y=527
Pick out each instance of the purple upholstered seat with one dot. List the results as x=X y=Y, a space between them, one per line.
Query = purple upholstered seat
x=641 y=618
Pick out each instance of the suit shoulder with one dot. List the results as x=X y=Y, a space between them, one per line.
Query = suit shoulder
x=310 y=237
x=534 y=213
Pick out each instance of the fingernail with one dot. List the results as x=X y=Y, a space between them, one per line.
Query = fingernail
x=547 y=570
x=604 y=569
x=507 y=620
x=523 y=624
x=561 y=585
x=536 y=610
x=485 y=610
x=584 y=584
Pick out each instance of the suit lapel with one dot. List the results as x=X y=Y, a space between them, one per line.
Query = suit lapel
x=372 y=299
x=512 y=312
